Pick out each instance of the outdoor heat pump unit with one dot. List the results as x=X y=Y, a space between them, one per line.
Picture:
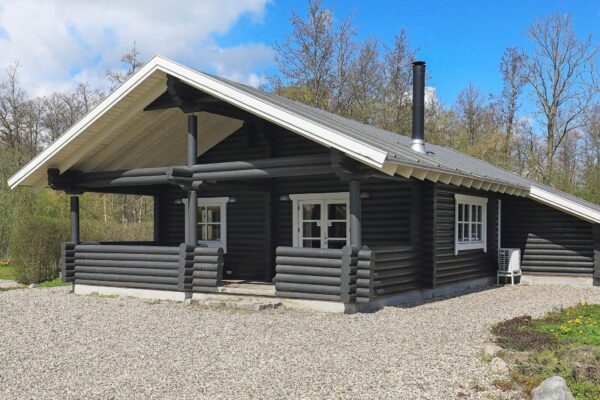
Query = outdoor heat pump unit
x=509 y=264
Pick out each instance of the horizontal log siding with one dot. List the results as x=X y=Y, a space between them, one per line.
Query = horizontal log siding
x=67 y=262
x=319 y=274
x=207 y=269
x=146 y=267
x=468 y=264
x=386 y=271
x=550 y=241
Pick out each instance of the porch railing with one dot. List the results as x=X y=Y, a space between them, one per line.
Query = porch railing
x=178 y=268
x=319 y=274
x=386 y=271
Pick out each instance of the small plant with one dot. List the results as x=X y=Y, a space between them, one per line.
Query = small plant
x=519 y=334
x=564 y=343
x=505 y=385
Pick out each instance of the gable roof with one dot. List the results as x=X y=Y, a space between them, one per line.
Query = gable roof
x=118 y=134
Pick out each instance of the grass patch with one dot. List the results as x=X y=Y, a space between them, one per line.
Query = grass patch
x=52 y=283
x=565 y=343
x=7 y=272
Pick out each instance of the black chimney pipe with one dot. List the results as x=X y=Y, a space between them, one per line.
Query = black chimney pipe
x=418 y=108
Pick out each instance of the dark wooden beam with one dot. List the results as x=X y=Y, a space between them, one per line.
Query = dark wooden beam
x=190 y=100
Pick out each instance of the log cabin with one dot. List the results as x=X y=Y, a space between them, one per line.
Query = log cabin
x=251 y=188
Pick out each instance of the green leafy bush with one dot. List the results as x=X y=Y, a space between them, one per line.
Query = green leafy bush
x=34 y=247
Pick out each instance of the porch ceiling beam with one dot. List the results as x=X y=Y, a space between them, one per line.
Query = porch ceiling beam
x=486 y=185
x=494 y=187
x=190 y=100
x=476 y=184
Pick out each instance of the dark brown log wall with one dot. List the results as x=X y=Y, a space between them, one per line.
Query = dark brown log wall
x=550 y=240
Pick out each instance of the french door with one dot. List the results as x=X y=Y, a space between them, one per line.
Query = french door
x=323 y=223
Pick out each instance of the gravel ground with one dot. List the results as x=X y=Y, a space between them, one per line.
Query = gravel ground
x=54 y=344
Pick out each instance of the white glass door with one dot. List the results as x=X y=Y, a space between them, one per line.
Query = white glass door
x=311 y=223
x=323 y=223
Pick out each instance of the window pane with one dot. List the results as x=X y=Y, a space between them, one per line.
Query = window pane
x=335 y=244
x=201 y=214
x=310 y=229
x=474 y=210
x=311 y=243
x=337 y=230
x=467 y=208
x=460 y=232
x=336 y=211
x=213 y=214
x=479 y=237
x=311 y=211
x=213 y=232
x=201 y=232
x=460 y=212
x=480 y=214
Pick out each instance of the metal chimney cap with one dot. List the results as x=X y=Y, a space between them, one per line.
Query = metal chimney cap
x=418 y=63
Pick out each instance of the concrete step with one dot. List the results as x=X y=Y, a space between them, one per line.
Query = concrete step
x=237 y=303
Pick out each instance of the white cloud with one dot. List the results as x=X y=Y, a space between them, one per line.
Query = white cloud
x=60 y=42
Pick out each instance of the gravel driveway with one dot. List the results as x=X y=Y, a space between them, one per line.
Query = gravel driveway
x=54 y=344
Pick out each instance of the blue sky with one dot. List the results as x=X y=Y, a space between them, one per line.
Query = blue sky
x=79 y=40
x=461 y=41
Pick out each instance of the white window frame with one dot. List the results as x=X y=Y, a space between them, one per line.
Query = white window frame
x=325 y=197
x=222 y=203
x=460 y=199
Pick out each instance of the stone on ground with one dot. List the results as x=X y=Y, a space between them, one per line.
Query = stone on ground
x=499 y=365
x=491 y=349
x=553 y=388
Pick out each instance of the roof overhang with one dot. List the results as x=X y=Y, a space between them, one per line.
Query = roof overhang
x=109 y=126
x=564 y=204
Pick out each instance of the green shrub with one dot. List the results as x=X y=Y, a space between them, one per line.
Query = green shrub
x=34 y=247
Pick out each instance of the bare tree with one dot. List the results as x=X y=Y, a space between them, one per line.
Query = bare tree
x=559 y=71
x=63 y=110
x=397 y=72
x=20 y=116
x=306 y=58
x=514 y=79
x=132 y=64
x=345 y=53
x=470 y=107
x=365 y=83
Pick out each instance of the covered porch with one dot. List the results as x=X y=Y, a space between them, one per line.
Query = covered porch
x=292 y=223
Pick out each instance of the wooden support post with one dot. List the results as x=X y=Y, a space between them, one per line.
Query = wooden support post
x=75 y=219
x=355 y=214
x=192 y=205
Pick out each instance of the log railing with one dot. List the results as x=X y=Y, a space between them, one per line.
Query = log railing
x=320 y=274
x=386 y=271
x=177 y=268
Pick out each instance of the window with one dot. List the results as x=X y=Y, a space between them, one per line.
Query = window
x=470 y=223
x=212 y=221
x=321 y=220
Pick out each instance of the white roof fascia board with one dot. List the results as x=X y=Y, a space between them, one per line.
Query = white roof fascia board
x=564 y=204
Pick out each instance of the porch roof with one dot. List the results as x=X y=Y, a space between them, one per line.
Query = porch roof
x=118 y=134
